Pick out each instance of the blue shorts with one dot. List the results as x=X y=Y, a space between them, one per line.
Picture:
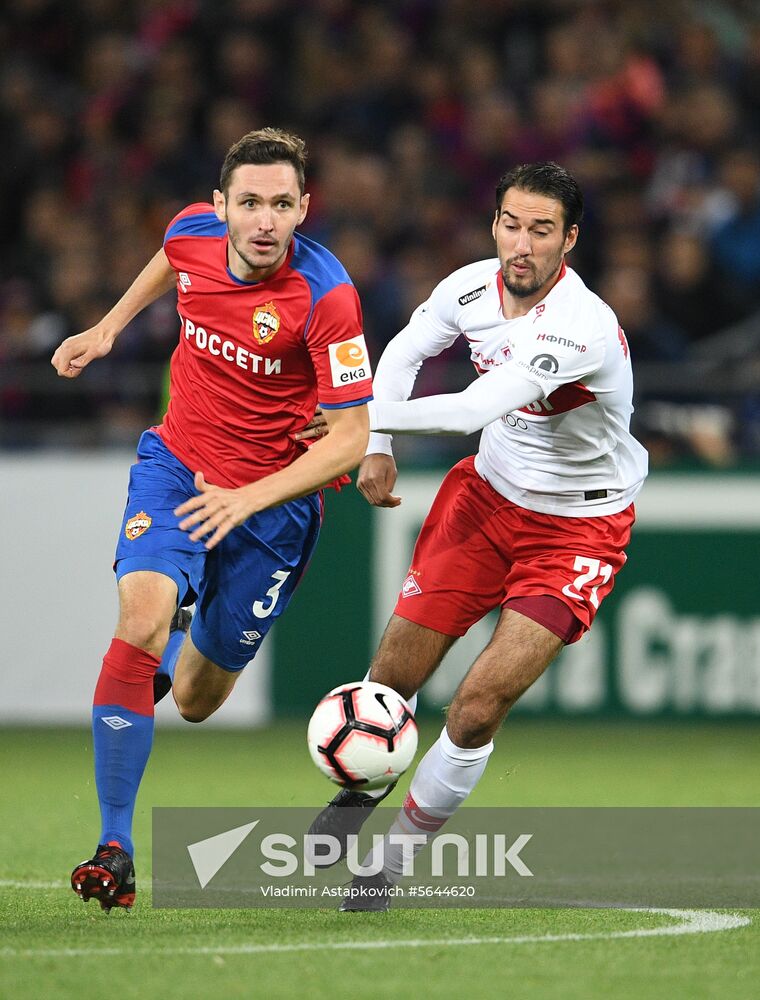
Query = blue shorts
x=243 y=584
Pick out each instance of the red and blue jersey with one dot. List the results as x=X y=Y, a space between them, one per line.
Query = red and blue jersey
x=255 y=358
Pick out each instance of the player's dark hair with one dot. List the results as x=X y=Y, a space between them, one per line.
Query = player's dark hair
x=265 y=145
x=549 y=179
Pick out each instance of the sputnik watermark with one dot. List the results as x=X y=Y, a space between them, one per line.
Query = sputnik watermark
x=493 y=854
x=284 y=857
x=328 y=892
x=264 y=857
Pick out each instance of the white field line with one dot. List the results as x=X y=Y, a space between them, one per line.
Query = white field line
x=690 y=922
x=12 y=883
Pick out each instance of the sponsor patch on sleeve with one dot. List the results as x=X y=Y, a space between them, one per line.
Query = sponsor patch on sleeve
x=542 y=366
x=349 y=361
x=473 y=295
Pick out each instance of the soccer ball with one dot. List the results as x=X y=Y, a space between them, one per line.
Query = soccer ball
x=362 y=735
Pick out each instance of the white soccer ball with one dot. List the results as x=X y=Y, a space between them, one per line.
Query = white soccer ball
x=362 y=735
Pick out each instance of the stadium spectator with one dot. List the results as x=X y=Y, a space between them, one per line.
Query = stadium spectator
x=687 y=294
x=736 y=241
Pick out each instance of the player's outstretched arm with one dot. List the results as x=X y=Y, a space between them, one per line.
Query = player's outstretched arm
x=216 y=511
x=486 y=399
x=76 y=352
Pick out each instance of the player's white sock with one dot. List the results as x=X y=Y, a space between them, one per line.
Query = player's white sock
x=378 y=793
x=444 y=778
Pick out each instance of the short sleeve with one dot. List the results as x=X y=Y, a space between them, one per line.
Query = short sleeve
x=195 y=220
x=338 y=350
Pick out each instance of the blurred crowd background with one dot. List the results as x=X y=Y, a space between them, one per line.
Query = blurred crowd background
x=114 y=114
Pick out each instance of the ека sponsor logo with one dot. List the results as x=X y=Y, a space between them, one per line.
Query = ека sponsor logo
x=349 y=361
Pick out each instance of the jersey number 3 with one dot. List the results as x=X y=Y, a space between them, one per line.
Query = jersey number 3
x=262 y=610
x=588 y=570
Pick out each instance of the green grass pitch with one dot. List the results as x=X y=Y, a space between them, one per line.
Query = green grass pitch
x=53 y=946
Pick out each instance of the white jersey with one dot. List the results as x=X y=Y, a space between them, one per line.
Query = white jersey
x=570 y=452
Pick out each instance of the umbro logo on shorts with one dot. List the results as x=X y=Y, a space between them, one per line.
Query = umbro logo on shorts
x=250 y=638
x=115 y=721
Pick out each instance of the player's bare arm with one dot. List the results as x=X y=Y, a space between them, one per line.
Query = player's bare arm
x=76 y=352
x=216 y=511
x=376 y=479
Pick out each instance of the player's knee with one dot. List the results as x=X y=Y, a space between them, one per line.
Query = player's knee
x=145 y=630
x=194 y=705
x=193 y=710
x=473 y=719
x=194 y=714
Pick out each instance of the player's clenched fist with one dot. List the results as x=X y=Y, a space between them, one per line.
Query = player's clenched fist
x=376 y=479
x=76 y=352
x=215 y=509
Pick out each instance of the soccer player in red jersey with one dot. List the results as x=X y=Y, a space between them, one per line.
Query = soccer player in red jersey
x=224 y=503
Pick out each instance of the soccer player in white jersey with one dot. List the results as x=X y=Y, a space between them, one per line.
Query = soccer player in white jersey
x=536 y=523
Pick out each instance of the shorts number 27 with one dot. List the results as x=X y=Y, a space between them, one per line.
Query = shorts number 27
x=590 y=569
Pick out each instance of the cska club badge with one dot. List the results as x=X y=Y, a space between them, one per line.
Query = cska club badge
x=266 y=322
x=137 y=525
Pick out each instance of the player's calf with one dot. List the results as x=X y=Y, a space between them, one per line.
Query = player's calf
x=200 y=686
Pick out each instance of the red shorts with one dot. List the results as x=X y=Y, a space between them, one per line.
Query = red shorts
x=477 y=551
